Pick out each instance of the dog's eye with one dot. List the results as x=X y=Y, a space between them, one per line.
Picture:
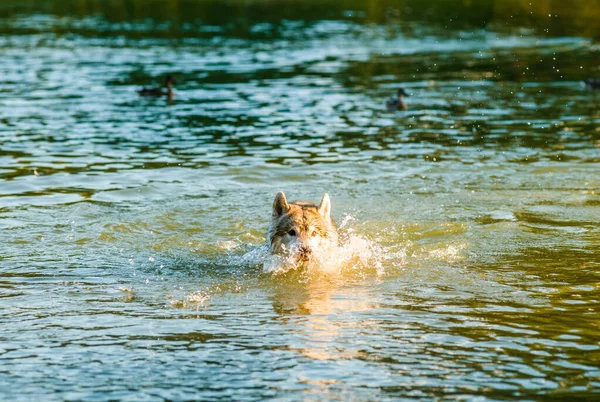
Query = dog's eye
x=292 y=232
x=314 y=233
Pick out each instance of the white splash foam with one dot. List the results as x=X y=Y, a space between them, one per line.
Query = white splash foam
x=355 y=253
x=449 y=253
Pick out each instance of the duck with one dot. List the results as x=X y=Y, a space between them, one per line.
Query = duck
x=591 y=84
x=396 y=102
x=157 y=92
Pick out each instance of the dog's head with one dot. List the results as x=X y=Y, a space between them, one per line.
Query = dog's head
x=300 y=228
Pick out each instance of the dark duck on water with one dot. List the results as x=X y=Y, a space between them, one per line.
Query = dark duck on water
x=397 y=102
x=592 y=84
x=157 y=92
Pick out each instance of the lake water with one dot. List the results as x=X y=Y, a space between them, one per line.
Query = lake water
x=129 y=226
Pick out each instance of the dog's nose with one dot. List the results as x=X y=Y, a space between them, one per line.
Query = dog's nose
x=305 y=252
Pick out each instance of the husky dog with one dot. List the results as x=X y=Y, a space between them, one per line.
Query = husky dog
x=299 y=229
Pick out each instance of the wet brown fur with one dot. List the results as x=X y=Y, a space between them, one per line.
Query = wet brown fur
x=312 y=225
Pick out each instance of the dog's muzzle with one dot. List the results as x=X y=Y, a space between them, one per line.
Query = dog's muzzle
x=304 y=253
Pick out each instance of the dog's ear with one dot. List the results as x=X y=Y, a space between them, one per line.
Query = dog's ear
x=280 y=205
x=325 y=206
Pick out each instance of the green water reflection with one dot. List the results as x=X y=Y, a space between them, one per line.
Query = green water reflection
x=131 y=228
x=545 y=17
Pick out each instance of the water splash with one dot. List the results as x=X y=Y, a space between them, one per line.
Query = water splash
x=192 y=300
x=355 y=254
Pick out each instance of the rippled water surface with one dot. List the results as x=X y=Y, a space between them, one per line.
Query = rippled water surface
x=129 y=226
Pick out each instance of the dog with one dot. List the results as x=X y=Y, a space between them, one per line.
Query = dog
x=301 y=229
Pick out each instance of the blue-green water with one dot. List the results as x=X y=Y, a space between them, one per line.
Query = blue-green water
x=128 y=226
